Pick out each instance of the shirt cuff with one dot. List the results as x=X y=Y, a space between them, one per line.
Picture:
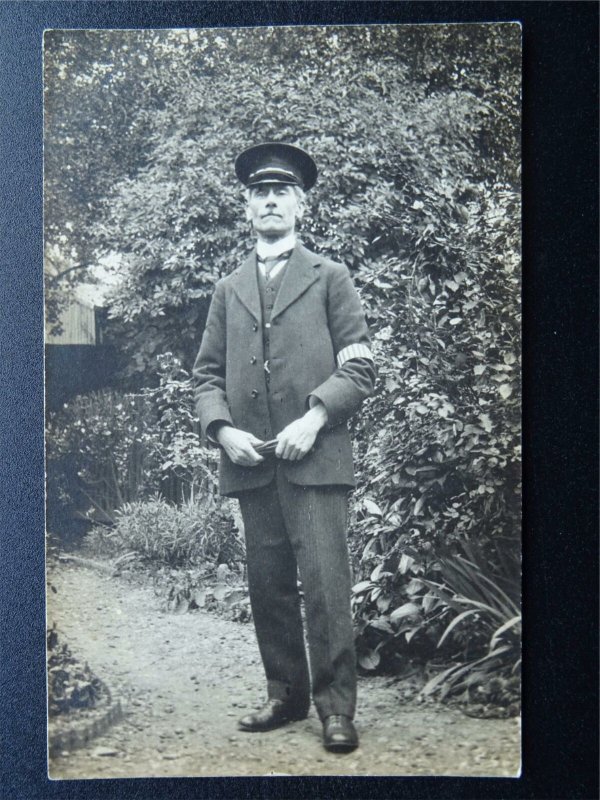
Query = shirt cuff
x=212 y=430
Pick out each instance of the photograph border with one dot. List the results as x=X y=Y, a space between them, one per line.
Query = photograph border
x=560 y=470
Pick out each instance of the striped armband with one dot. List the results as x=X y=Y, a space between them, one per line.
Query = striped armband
x=353 y=351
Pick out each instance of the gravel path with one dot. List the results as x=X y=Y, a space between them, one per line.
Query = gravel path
x=184 y=680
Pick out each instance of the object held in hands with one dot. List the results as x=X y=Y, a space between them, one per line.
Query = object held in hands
x=266 y=448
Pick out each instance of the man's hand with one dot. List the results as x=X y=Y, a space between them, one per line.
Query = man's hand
x=238 y=446
x=297 y=438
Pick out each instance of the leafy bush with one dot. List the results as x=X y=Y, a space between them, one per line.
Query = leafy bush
x=416 y=138
x=108 y=448
x=193 y=589
x=71 y=684
x=462 y=608
x=392 y=625
x=490 y=643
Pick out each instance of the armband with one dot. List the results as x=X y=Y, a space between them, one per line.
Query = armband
x=353 y=351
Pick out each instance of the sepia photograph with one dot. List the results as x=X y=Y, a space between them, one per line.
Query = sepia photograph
x=282 y=277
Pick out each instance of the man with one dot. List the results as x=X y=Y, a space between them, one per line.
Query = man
x=285 y=357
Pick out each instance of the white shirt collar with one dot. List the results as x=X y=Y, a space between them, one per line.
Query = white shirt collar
x=268 y=250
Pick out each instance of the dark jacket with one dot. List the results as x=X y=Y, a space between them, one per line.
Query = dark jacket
x=317 y=313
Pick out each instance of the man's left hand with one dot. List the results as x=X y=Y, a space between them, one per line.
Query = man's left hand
x=297 y=438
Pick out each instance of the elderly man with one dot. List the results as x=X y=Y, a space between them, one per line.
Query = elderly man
x=284 y=362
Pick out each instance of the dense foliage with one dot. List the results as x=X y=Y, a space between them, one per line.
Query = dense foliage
x=110 y=448
x=393 y=116
x=416 y=133
x=71 y=685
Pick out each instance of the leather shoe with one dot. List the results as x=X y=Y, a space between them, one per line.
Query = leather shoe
x=273 y=714
x=339 y=734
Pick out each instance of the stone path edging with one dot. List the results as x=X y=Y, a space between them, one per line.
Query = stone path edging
x=80 y=733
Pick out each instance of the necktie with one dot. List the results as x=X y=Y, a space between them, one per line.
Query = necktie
x=271 y=261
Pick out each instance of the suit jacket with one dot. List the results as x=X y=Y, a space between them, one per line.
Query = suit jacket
x=316 y=314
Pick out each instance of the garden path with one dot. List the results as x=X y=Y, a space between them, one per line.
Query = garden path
x=184 y=679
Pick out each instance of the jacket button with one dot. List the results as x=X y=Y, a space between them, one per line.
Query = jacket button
x=255 y=327
x=254 y=393
x=253 y=360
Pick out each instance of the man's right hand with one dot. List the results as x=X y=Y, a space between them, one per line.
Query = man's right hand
x=239 y=446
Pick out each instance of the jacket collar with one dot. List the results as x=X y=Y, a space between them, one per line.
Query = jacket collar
x=298 y=276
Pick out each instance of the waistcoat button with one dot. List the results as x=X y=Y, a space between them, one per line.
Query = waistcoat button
x=255 y=327
x=254 y=393
x=253 y=360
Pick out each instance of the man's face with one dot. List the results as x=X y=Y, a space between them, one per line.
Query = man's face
x=272 y=209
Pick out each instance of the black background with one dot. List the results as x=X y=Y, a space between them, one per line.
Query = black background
x=560 y=225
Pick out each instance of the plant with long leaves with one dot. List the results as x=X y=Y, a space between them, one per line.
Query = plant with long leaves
x=467 y=592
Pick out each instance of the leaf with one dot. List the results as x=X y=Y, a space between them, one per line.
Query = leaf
x=459 y=669
x=433 y=684
x=408 y=635
x=369 y=660
x=486 y=422
x=505 y=391
x=428 y=602
x=381 y=625
x=361 y=587
x=419 y=506
x=219 y=591
x=479 y=369
x=414 y=586
x=372 y=507
x=405 y=564
x=383 y=603
x=503 y=628
x=200 y=597
x=456 y=621
x=405 y=610
x=234 y=596
x=455 y=320
x=369 y=546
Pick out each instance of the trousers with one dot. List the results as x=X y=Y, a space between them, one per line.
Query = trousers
x=293 y=529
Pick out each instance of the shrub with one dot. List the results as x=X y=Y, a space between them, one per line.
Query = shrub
x=488 y=647
x=461 y=608
x=192 y=589
x=71 y=684
x=110 y=448
x=200 y=531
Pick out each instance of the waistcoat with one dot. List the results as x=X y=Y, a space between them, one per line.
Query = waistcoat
x=267 y=291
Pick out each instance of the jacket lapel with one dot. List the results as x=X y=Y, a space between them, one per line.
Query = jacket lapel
x=298 y=276
x=246 y=286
